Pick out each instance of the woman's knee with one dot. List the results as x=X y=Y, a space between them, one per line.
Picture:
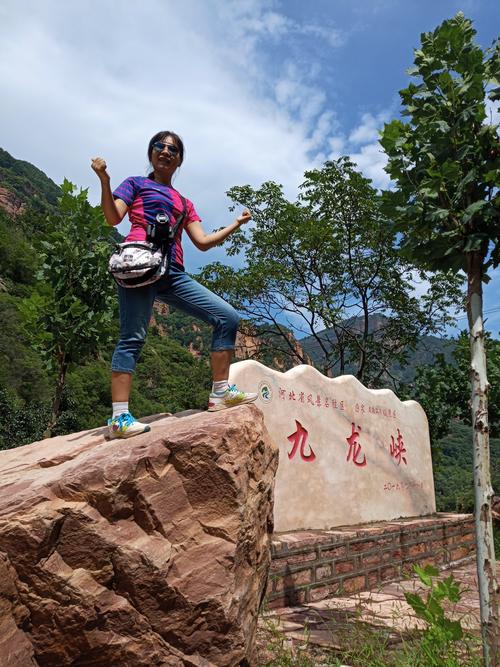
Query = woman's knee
x=127 y=353
x=232 y=320
x=132 y=345
x=225 y=329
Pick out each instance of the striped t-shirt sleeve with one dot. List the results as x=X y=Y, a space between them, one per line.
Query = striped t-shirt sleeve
x=191 y=214
x=126 y=191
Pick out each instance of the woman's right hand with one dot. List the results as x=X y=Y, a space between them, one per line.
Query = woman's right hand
x=99 y=166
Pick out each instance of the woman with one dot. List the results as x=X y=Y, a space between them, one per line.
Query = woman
x=143 y=198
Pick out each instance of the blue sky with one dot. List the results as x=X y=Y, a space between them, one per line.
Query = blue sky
x=259 y=90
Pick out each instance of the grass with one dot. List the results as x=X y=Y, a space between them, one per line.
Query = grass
x=362 y=646
x=442 y=641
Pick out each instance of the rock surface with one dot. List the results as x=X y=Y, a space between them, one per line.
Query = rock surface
x=10 y=203
x=145 y=552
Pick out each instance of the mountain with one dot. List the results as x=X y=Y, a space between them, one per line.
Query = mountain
x=25 y=188
x=23 y=185
x=168 y=377
x=428 y=347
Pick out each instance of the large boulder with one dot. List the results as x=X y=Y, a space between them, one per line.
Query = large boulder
x=143 y=552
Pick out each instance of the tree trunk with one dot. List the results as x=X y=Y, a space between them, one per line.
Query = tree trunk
x=56 y=403
x=362 y=356
x=483 y=491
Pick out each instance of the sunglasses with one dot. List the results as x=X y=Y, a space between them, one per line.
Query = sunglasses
x=159 y=146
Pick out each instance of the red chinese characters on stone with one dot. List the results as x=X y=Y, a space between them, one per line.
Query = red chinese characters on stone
x=299 y=439
x=355 y=448
x=398 y=448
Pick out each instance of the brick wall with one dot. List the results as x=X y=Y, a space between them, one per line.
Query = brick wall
x=310 y=565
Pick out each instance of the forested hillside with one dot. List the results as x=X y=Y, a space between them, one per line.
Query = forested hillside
x=169 y=378
x=173 y=373
x=453 y=469
x=27 y=184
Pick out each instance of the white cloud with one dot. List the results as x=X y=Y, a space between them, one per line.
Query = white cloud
x=100 y=77
x=333 y=37
x=249 y=18
x=74 y=88
x=338 y=147
x=294 y=92
x=369 y=128
x=364 y=149
x=87 y=79
x=372 y=160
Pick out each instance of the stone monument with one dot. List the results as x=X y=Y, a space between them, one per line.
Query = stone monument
x=348 y=454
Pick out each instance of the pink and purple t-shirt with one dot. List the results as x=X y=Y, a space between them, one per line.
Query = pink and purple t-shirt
x=145 y=199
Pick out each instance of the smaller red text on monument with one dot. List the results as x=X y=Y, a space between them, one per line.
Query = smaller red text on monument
x=375 y=410
x=321 y=401
x=313 y=400
x=299 y=440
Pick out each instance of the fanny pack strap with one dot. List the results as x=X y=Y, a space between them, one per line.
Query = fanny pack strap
x=180 y=217
x=167 y=251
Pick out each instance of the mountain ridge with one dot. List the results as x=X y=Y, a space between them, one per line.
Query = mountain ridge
x=425 y=353
x=28 y=185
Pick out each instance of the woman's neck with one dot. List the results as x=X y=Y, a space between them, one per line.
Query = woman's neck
x=164 y=181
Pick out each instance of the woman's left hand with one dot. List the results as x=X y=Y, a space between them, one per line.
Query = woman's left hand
x=246 y=216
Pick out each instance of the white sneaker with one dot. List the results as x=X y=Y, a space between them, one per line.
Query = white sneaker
x=231 y=397
x=125 y=426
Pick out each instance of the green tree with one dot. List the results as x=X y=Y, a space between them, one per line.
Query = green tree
x=445 y=162
x=327 y=261
x=21 y=370
x=442 y=387
x=19 y=423
x=70 y=315
x=18 y=259
x=454 y=472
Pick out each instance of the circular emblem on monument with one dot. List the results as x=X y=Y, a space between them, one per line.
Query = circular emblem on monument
x=265 y=392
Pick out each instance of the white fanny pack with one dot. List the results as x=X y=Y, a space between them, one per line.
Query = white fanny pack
x=139 y=263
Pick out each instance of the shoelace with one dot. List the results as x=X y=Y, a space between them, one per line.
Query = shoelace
x=125 y=420
x=233 y=389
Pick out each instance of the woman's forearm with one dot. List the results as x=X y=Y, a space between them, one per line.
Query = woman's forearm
x=215 y=238
x=205 y=241
x=108 y=204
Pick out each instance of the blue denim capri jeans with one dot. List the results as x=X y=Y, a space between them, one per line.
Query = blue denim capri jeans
x=177 y=289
